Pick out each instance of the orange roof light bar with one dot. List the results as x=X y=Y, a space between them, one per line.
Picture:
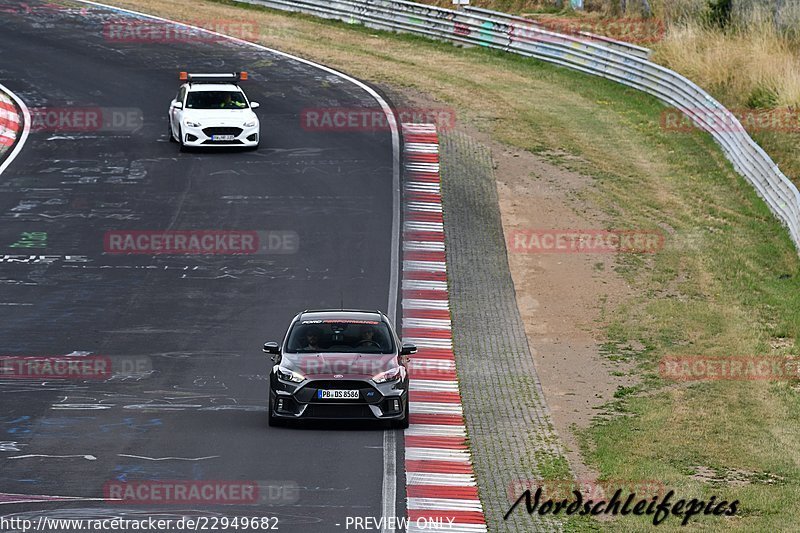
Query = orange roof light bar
x=207 y=77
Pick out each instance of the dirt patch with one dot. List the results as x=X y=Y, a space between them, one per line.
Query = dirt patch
x=562 y=297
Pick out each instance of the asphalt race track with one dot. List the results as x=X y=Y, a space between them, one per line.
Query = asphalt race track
x=187 y=400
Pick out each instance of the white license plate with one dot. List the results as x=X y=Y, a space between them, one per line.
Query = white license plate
x=337 y=394
x=222 y=137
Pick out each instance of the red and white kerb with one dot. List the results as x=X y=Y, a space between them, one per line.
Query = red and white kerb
x=10 y=122
x=440 y=480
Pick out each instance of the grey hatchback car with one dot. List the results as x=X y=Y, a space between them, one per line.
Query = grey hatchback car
x=339 y=364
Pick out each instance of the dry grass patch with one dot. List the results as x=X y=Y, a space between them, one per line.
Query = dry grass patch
x=753 y=65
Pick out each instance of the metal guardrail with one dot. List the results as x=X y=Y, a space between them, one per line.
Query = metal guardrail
x=508 y=33
x=622 y=46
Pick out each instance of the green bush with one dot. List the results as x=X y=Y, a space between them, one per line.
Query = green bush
x=763 y=98
x=719 y=13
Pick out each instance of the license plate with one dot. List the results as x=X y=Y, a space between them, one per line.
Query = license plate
x=337 y=394
x=222 y=137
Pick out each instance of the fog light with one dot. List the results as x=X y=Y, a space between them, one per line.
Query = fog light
x=253 y=137
x=395 y=405
x=280 y=404
x=190 y=138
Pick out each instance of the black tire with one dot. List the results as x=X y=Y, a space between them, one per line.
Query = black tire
x=184 y=148
x=169 y=132
x=272 y=420
x=403 y=422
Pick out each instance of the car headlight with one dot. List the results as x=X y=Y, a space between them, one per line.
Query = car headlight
x=250 y=123
x=192 y=124
x=390 y=375
x=289 y=375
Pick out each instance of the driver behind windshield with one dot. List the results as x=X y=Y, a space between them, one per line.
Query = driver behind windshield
x=338 y=337
x=215 y=100
x=312 y=339
x=228 y=103
x=367 y=338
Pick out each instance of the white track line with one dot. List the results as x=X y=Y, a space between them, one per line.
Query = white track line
x=436 y=408
x=444 y=504
x=433 y=385
x=437 y=454
x=431 y=343
x=444 y=480
x=427 y=323
x=427 y=266
x=445 y=527
x=435 y=430
x=423 y=246
x=421 y=284
x=168 y=458
x=440 y=305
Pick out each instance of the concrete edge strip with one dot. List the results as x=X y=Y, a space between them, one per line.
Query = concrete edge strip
x=440 y=480
x=15 y=125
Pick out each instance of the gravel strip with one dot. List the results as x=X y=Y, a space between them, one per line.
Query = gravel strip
x=511 y=435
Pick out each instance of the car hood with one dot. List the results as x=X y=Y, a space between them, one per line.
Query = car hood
x=341 y=364
x=220 y=117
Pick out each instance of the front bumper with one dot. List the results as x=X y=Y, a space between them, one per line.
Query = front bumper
x=384 y=401
x=207 y=136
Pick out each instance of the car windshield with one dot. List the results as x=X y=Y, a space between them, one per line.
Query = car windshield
x=215 y=100
x=362 y=336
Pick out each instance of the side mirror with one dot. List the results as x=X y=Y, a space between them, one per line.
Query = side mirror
x=271 y=348
x=408 y=348
x=254 y=105
x=177 y=105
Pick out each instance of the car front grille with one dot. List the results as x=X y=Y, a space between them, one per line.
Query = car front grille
x=339 y=384
x=223 y=142
x=219 y=130
x=317 y=410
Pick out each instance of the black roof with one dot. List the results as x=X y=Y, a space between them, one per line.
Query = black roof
x=335 y=314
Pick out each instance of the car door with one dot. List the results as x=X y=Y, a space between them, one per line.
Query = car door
x=176 y=114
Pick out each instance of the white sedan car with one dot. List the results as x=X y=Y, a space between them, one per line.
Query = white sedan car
x=211 y=110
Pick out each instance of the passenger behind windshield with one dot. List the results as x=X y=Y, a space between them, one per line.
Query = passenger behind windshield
x=361 y=337
x=215 y=100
